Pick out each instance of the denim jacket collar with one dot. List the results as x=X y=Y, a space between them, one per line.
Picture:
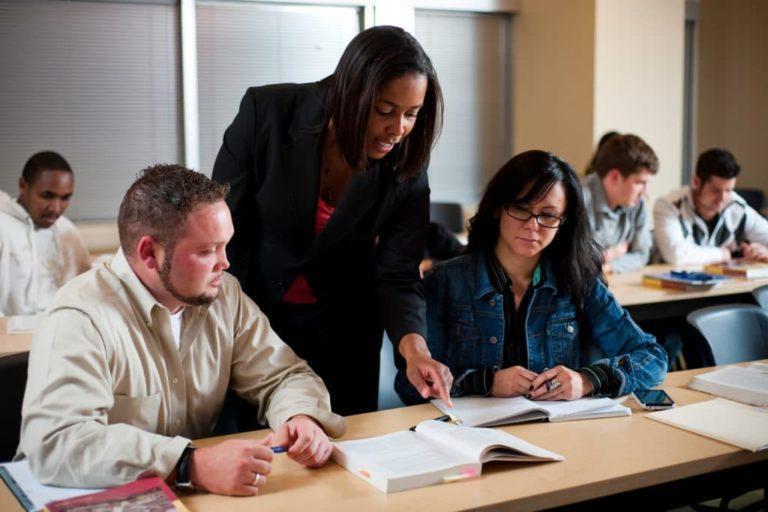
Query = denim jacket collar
x=484 y=284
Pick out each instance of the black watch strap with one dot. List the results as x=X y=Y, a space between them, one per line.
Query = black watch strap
x=183 y=477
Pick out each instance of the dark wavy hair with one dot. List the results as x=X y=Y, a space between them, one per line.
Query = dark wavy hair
x=374 y=57
x=574 y=255
x=717 y=162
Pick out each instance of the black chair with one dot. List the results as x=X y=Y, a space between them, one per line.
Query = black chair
x=761 y=296
x=734 y=332
x=449 y=215
x=13 y=369
x=753 y=196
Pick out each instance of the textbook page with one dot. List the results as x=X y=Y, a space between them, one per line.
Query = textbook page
x=743 y=384
x=474 y=411
x=36 y=493
x=484 y=444
x=730 y=422
x=399 y=461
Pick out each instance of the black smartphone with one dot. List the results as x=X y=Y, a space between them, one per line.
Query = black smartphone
x=653 y=399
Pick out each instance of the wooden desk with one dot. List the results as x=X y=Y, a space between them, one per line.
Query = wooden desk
x=12 y=343
x=649 y=303
x=604 y=457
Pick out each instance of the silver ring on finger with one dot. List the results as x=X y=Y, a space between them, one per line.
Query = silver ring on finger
x=256 y=480
x=553 y=384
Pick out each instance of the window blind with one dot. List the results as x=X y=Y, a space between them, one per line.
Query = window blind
x=242 y=44
x=98 y=82
x=471 y=54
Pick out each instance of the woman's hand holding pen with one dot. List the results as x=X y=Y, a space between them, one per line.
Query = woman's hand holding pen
x=560 y=383
x=428 y=376
x=512 y=381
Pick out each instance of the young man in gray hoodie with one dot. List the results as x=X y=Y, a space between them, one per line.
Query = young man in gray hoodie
x=40 y=249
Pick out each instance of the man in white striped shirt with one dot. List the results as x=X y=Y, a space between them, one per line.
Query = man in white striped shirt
x=708 y=222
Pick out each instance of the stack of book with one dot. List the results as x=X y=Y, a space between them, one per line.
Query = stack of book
x=740 y=269
x=683 y=280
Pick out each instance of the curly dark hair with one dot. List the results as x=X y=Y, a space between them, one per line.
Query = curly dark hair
x=574 y=255
x=44 y=161
x=374 y=57
x=158 y=202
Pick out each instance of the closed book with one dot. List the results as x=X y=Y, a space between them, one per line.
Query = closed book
x=746 y=384
x=745 y=270
x=476 y=411
x=149 y=494
x=685 y=281
x=434 y=452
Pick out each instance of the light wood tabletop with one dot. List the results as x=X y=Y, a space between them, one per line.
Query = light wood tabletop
x=603 y=457
x=12 y=343
x=629 y=290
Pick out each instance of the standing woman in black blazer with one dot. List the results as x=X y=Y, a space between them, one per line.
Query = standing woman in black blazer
x=330 y=203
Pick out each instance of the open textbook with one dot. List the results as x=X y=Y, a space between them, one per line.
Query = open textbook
x=477 y=411
x=730 y=422
x=435 y=452
x=747 y=384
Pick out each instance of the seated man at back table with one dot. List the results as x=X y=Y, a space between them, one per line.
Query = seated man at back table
x=708 y=222
x=40 y=249
x=614 y=196
x=133 y=359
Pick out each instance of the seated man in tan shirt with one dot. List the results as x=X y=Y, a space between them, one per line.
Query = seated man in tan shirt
x=133 y=359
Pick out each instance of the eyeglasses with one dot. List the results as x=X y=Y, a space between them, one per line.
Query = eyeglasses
x=543 y=219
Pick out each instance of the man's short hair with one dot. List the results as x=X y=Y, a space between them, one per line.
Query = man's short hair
x=43 y=161
x=716 y=162
x=158 y=202
x=628 y=153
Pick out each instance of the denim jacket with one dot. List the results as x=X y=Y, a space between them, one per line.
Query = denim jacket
x=465 y=329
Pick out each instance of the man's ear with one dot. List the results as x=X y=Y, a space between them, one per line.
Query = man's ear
x=695 y=182
x=23 y=185
x=149 y=252
x=613 y=176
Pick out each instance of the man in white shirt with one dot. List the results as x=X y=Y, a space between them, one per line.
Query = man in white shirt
x=708 y=222
x=40 y=249
x=133 y=359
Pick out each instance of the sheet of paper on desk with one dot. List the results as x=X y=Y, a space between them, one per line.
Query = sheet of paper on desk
x=30 y=492
x=22 y=324
x=730 y=422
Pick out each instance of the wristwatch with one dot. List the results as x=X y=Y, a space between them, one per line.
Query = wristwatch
x=183 y=476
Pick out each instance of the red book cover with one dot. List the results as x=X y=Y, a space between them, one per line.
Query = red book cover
x=145 y=495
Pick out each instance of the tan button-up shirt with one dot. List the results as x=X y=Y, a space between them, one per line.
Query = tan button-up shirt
x=110 y=397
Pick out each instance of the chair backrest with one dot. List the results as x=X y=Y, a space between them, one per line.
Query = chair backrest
x=13 y=369
x=734 y=332
x=761 y=296
x=753 y=196
x=449 y=215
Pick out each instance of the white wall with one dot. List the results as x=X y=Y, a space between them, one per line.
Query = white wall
x=639 y=78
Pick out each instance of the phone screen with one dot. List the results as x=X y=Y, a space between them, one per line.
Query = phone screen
x=653 y=397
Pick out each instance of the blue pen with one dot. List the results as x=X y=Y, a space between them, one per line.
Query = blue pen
x=279 y=449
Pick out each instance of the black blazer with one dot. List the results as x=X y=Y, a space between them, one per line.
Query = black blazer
x=364 y=264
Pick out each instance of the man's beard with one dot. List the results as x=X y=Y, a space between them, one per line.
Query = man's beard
x=193 y=300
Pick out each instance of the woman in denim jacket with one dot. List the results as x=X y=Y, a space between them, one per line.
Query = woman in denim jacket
x=525 y=310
